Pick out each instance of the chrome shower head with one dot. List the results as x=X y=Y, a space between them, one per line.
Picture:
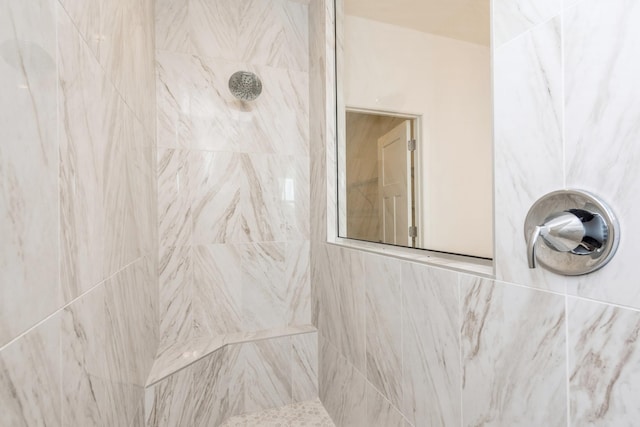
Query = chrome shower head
x=245 y=86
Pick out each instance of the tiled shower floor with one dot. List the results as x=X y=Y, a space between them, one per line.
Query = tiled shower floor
x=305 y=414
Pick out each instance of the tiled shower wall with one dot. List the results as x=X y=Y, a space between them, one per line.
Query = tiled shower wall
x=407 y=344
x=233 y=176
x=78 y=296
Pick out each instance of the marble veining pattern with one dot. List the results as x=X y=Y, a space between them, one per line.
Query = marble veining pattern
x=233 y=176
x=29 y=219
x=197 y=111
x=514 y=17
x=77 y=211
x=85 y=93
x=513 y=355
x=30 y=378
x=604 y=364
x=528 y=139
x=380 y=412
x=237 y=378
x=183 y=354
x=342 y=389
x=602 y=130
x=304 y=367
x=430 y=346
x=84 y=369
x=384 y=326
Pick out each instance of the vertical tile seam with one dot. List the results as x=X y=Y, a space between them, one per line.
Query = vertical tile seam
x=402 y=339
x=57 y=5
x=567 y=361
x=563 y=136
x=563 y=139
x=460 y=320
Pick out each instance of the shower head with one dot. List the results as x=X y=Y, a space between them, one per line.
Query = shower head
x=245 y=86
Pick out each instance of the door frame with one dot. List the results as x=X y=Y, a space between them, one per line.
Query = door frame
x=420 y=187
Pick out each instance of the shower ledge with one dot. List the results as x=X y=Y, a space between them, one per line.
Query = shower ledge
x=181 y=355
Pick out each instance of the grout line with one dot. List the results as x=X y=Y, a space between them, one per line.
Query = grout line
x=57 y=12
x=567 y=364
x=529 y=30
x=558 y=293
x=563 y=135
x=65 y=306
x=461 y=320
x=403 y=337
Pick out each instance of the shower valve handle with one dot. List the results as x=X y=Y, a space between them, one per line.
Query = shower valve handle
x=570 y=232
x=563 y=232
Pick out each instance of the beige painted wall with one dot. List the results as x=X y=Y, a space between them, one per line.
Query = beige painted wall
x=447 y=82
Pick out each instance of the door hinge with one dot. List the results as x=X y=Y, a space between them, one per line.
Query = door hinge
x=411 y=145
x=413 y=231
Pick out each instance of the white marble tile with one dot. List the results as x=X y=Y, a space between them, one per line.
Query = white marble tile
x=30 y=378
x=171 y=402
x=197 y=110
x=346 y=316
x=239 y=288
x=267 y=32
x=175 y=220
x=298 y=278
x=384 y=325
x=326 y=292
x=267 y=375
x=304 y=367
x=219 y=386
x=602 y=132
x=174 y=86
x=182 y=354
x=291 y=195
x=139 y=420
x=604 y=364
x=82 y=109
x=84 y=377
x=127 y=52
x=342 y=387
x=318 y=194
x=380 y=412
x=217 y=290
x=85 y=15
x=264 y=286
x=131 y=342
x=141 y=164
x=430 y=346
x=29 y=215
x=511 y=18
x=176 y=295
x=513 y=355
x=121 y=243
x=224 y=209
x=175 y=226
x=528 y=145
x=172 y=25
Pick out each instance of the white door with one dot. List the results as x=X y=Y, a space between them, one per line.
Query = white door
x=394 y=185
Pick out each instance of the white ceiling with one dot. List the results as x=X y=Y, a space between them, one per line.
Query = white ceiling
x=466 y=20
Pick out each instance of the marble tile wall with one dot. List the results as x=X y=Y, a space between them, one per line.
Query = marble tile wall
x=237 y=379
x=429 y=346
x=78 y=287
x=233 y=176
